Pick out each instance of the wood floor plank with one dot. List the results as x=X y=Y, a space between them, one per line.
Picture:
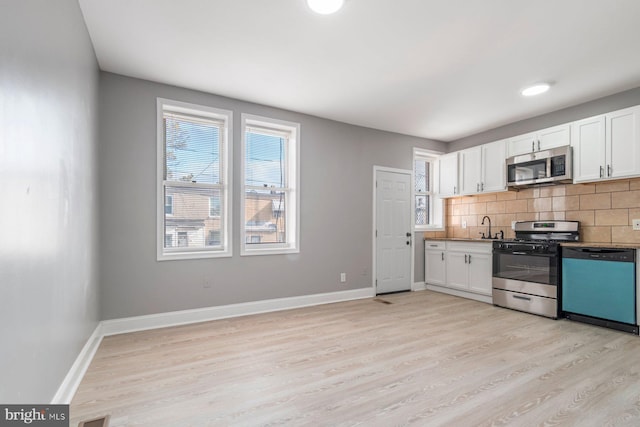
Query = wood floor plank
x=425 y=359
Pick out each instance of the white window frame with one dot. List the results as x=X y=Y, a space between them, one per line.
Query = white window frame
x=292 y=189
x=436 y=208
x=226 y=189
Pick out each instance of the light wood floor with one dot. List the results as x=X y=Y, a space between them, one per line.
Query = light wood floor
x=427 y=359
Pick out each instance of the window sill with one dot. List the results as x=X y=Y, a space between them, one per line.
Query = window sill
x=429 y=228
x=269 y=251
x=176 y=256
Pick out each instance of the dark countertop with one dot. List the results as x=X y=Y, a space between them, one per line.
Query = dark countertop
x=568 y=244
x=601 y=245
x=460 y=239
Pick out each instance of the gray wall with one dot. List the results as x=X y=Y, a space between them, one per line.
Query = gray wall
x=48 y=274
x=336 y=208
x=603 y=105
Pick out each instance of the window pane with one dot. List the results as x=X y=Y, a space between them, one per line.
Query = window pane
x=192 y=150
x=422 y=210
x=265 y=160
x=265 y=216
x=214 y=205
x=191 y=226
x=422 y=176
x=168 y=205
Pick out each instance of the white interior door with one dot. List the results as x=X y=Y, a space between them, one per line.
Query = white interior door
x=393 y=232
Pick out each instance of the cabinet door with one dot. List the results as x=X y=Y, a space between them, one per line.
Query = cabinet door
x=494 y=167
x=623 y=143
x=521 y=144
x=480 y=272
x=434 y=267
x=588 y=144
x=557 y=136
x=457 y=270
x=470 y=170
x=448 y=170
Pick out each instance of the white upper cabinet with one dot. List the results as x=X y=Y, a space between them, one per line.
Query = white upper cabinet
x=589 y=151
x=623 y=143
x=494 y=173
x=448 y=175
x=482 y=168
x=545 y=139
x=607 y=146
x=470 y=170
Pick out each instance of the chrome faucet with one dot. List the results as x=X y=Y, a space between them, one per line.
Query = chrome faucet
x=489 y=236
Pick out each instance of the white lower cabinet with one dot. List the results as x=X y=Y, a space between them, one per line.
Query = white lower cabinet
x=434 y=262
x=460 y=268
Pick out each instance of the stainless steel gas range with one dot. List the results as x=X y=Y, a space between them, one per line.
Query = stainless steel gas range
x=526 y=270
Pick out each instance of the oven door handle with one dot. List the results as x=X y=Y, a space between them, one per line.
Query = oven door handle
x=524 y=253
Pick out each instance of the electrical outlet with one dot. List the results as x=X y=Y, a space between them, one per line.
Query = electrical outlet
x=636 y=224
x=343 y=277
x=464 y=223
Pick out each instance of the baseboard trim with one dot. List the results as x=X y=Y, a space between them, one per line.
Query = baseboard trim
x=419 y=286
x=470 y=295
x=183 y=317
x=72 y=380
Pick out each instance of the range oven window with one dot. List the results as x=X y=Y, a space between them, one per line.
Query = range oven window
x=535 y=169
x=526 y=267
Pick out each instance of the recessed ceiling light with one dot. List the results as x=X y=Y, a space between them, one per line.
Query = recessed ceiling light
x=536 y=89
x=325 y=7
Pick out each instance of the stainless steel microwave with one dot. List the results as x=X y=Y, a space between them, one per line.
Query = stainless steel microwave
x=540 y=168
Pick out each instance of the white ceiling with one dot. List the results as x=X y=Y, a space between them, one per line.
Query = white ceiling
x=439 y=69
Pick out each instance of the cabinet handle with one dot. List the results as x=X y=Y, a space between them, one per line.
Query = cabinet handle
x=519 y=297
x=455 y=189
x=442 y=256
x=434 y=246
x=469 y=258
x=608 y=170
x=465 y=258
x=601 y=171
x=482 y=186
x=477 y=187
x=533 y=146
x=538 y=145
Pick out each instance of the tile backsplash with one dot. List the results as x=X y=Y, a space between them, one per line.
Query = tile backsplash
x=605 y=210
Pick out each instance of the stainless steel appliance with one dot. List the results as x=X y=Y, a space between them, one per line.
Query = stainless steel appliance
x=541 y=168
x=526 y=270
x=599 y=287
